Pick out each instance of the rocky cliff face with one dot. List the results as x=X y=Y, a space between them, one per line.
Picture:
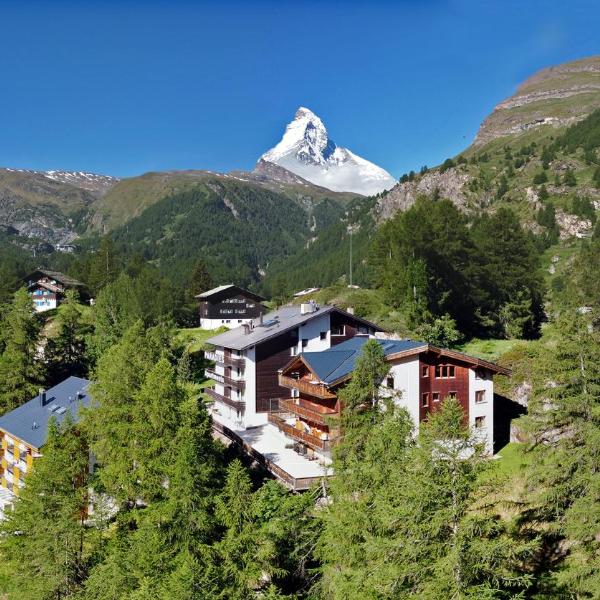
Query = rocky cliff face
x=450 y=184
x=557 y=96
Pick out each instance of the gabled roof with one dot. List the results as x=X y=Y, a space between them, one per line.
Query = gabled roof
x=336 y=364
x=275 y=323
x=228 y=290
x=66 y=280
x=339 y=361
x=29 y=422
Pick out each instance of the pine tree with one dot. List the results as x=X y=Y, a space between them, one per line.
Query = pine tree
x=104 y=265
x=244 y=557
x=564 y=425
x=66 y=352
x=46 y=543
x=569 y=178
x=449 y=541
x=201 y=280
x=20 y=370
x=373 y=446
x=127 y=408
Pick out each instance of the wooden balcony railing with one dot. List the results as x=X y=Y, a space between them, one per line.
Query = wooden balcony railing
x=222 y=359
x=238 y=384
x=237 y=404
x=318 y=390
x=319 y=415
x=313 y=441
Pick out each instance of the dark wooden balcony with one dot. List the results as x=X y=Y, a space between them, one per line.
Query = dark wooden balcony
x=224 y=359
x=318 y=390
x=237 y=404
x=317 y=413
x=278 y=419
x=238 y=384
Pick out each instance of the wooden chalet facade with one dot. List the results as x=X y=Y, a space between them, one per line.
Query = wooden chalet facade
x=48 y=288
x=421 y=376
x=228 y=306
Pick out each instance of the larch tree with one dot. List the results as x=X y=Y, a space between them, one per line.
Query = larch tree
x=20 y=368
x=564 y=478
x=65 y=353
x=45 y=540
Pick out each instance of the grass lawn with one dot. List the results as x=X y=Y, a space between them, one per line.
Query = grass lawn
x=195 y=338
x=490 y=350
x=511 y=459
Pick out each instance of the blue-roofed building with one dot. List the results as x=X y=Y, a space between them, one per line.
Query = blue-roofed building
x=420 y=377
x=24 y=430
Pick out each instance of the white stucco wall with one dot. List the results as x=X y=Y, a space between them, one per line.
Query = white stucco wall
x=482 y=409
x=312 y=332
x=406 y=385
x=216 y=323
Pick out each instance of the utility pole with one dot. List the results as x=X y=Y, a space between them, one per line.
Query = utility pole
x=350 y=256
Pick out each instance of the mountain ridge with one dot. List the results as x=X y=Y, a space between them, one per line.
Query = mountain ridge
x=307 y=150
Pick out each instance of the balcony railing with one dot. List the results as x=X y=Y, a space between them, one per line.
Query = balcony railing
x=318 y=390
x=226 y=360
x=311 y=411
x=237 y=404
x=238 y=384
x=278 y=419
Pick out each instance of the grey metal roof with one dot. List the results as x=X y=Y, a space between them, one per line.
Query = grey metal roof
x=234 y=288
x=66 y=280
x=274 y=323
x=19 y=423
x=337 y=362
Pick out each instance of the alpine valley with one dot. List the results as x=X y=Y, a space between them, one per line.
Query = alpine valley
x=288 y=223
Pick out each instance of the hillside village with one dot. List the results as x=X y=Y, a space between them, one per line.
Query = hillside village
x=247 y=385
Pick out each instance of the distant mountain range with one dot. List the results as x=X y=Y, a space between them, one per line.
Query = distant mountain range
x=317 y=184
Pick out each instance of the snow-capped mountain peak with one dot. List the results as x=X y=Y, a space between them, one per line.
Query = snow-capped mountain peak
x=307 y=150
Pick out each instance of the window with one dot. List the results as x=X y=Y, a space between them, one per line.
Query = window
x=363 y=329
x=293 y=351
x=425 y=371
x=480 y=374
x=337 y=330
x=445 y=371
x=425 y=399
x=480 y=396
x=389 y=382
x=323 y=335
x=452 y=395
x=435 y=396
x=304 y=342
x=479 y=422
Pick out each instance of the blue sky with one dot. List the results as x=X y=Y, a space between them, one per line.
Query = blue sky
x=132 y=86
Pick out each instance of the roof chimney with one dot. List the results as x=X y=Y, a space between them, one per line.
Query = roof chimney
x=42 y=396
x=350 y=310
x=246 y=327
x=309 y=307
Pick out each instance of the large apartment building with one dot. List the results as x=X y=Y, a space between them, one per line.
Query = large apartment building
x=24 y=430
x=247 y=359
x=420 y=377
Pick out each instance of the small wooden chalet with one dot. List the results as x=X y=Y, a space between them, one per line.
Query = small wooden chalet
x=229 y=306
x=48 y=288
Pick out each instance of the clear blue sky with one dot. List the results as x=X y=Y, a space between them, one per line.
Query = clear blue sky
x=131 y=86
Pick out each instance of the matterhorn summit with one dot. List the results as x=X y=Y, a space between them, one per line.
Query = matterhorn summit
x=306 y=150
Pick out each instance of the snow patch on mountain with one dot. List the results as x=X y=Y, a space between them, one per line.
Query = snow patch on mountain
x=307 y=150
x=87 y=181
